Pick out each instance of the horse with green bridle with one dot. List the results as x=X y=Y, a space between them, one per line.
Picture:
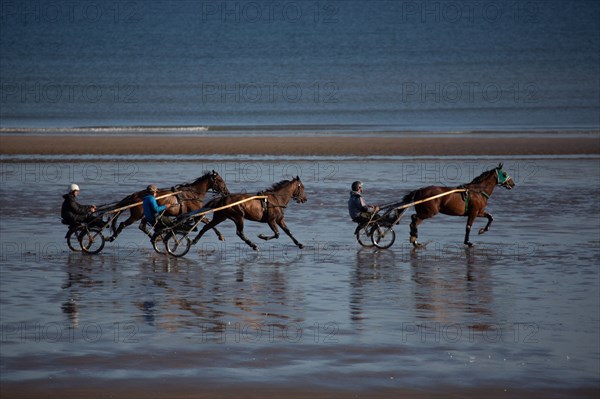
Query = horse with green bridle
x=471 y=203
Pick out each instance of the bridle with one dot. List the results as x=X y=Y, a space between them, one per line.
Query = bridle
x=502 y=177
x=298 y=191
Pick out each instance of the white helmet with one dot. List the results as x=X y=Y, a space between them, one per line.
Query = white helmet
x=73 y=187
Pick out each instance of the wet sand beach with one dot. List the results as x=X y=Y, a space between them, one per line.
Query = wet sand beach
x=513 y=317
x=323 y=146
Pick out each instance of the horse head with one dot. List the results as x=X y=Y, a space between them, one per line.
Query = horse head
x=503 y=178
x=298 y=194
x=216 y=183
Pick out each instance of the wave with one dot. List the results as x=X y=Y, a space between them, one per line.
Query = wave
x=305 y=130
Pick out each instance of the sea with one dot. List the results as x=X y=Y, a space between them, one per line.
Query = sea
x=296 y=66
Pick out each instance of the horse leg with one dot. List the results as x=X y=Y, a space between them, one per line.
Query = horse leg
x=210 y=225
x=470 y=221
x=289 y=233
x=490 y=219
x=239 y=230
x=415 y=221
x=217 y=232
x=273 y=227
x=144 y=227
x=130 y=220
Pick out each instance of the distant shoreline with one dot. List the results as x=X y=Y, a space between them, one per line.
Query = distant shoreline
x=297 y=145
x=284 y=130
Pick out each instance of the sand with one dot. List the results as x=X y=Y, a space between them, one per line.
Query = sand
x=304 y=146
x=89 y=386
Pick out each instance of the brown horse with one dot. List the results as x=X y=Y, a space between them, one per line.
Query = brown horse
x=190 y=198
x=470 y=203
x=269 y=210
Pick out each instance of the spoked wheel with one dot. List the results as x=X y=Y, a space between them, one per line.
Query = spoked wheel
x=73 y=239
x=158 y=243
x=91 y=240
x=177 y=243
x=383 y=237
x=363 y=235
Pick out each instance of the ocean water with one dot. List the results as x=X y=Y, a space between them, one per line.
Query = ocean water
x=322 y=65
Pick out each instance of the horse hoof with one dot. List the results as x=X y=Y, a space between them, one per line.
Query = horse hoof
x=254 y=247
x=221 y=238
x=300 y=246
x=417 y=244
x=469 y=244
x=482 y=230
x=263 y=237
x=413 y=239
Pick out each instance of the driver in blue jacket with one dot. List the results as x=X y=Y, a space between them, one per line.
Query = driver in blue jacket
x=152 y=211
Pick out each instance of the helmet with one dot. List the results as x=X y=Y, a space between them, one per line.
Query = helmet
x=73 y=187
x=356 y=185
x=152 y=188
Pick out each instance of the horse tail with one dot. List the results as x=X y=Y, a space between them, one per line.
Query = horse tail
x=113 y=225
x=127 y=200
x=409 y=197
x=214 y=203
x=130 y=199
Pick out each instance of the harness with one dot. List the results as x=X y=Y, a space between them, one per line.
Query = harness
x=502 y=178
x=179 y=202
x=466 y=196
x=266 y=205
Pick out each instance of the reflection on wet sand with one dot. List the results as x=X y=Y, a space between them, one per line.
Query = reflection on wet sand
x=181 y=295
x=372 y=266
x=80 y=277
x=446 y=288
x=452 y=287
x=330 y=314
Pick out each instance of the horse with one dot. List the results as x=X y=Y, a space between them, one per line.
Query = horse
x=190 y=198
x=471 y=203
x=269 y=210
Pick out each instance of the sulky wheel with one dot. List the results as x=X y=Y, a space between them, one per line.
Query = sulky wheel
x=158 y=243
x=177 y=243
x=91 y=240
x=73 y=239
x=363 y=235
x=383 y=237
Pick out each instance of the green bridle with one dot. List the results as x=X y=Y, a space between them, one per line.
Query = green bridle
x=502 y=176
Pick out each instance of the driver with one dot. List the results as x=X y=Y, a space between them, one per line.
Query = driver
x=72 y=212
x=359 y=211
x=152 y=211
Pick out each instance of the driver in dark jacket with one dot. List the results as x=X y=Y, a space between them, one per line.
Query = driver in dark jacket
x=72 y=211
x=359 y=211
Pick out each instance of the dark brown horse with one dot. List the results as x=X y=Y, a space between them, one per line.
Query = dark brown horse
x=470 y=204
x=259 y=210
x=190 y=198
